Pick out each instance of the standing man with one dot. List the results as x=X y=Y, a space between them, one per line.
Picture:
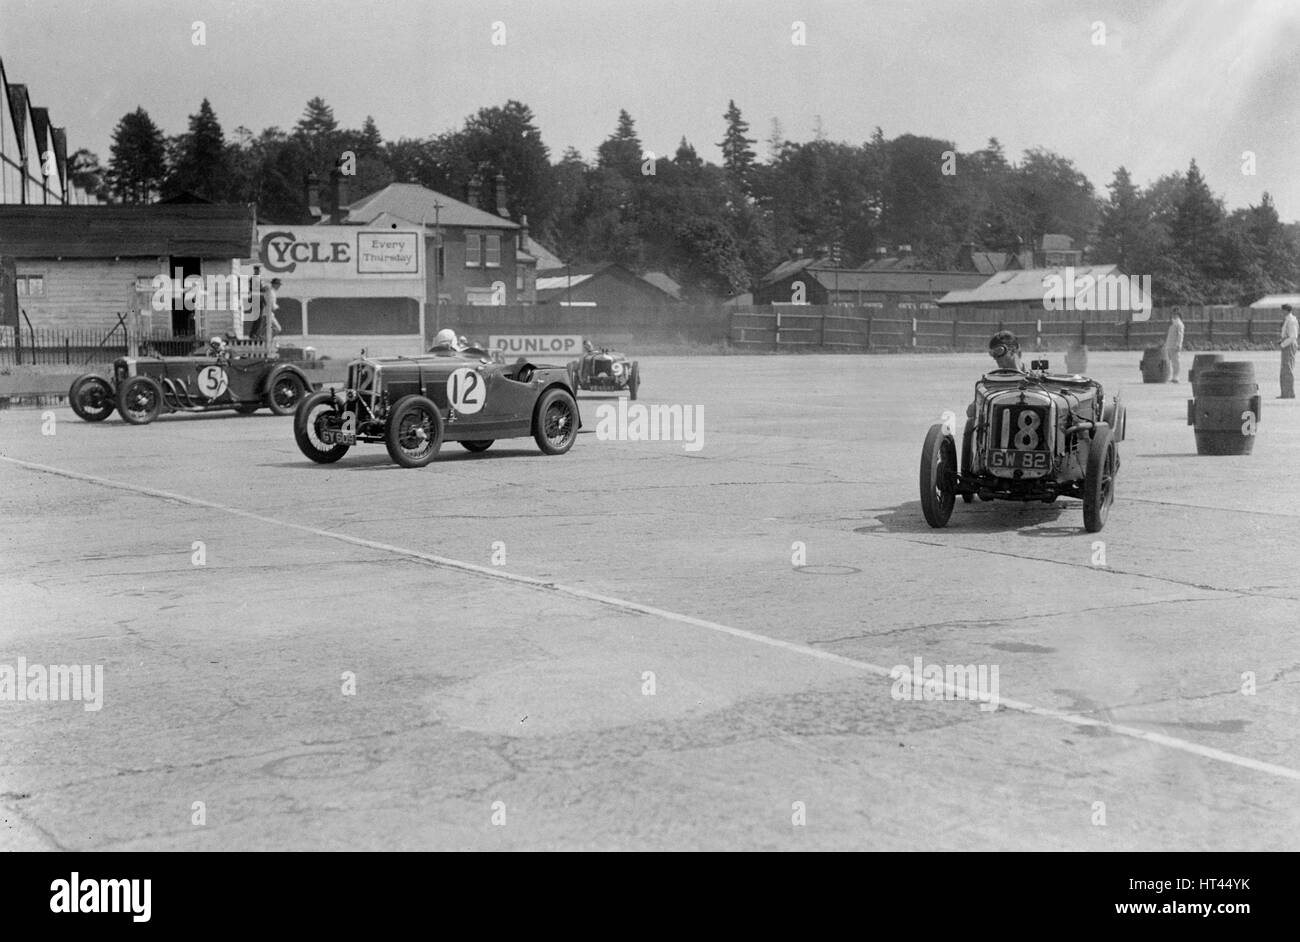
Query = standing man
x=1174 y=343
x=1288 y=344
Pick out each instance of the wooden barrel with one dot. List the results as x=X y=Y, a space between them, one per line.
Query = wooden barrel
x=1202 y=361
x=1225 y=412
x=1155 y=365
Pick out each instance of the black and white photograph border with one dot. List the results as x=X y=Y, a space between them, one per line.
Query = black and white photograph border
x=512 y=426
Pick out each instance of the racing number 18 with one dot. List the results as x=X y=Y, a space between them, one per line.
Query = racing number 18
x=1027 y=424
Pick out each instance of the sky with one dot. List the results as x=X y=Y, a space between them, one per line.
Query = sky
x=1147 y=84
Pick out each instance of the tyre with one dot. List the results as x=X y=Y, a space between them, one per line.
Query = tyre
x=140 y=400
x=414 y=432
x=477 y=446
x=284 y=392
x=634 y=381
x=938 y=463
x=306 y=429
x=968 y=456
x=1099 y=484
x=555 y=427
x=91 y=397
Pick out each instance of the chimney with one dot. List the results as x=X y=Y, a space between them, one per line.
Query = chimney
x=313 y=194
x=338 y=197
x=475 y=190
x=501 y=197
x=523 y=233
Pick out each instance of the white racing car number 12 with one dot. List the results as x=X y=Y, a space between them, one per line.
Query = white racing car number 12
x=466 y=391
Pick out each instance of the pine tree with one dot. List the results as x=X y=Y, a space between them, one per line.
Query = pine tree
x=621 y=152
x=737 y=155
x=371 y=141
x=139 y=158
x=200 y=163
x=1198 y=218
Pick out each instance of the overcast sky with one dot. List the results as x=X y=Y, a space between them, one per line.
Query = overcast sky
x=1174 y=80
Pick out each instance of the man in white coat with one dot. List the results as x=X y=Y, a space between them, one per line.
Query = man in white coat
x=1174 y=343
x=1287 y=343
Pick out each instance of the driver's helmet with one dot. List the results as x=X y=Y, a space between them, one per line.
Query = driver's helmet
x=216 y=346
x=1005 y=349
x=445 y=338
x=587 y=347
x=462 y=342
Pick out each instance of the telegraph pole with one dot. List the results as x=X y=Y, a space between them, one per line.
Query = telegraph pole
x=437 y=266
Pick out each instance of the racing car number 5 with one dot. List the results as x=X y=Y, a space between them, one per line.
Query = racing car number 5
x=466 y=391
x=212 y=381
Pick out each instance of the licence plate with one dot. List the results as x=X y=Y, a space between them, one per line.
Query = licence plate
x=1021 y=460
x=334 y=437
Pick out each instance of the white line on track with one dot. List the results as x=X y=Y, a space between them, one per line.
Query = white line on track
x=1073 y=719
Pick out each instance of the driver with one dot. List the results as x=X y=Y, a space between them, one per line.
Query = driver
x=446 y=338
x=1004 y=348
x=218 y=348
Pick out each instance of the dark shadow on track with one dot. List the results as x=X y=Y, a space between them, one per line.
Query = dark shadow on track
x=979 y=517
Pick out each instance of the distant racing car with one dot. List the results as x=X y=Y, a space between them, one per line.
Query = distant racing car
x=413 y=404
x=1033 y=436
x=605 y=370
x=143 y=387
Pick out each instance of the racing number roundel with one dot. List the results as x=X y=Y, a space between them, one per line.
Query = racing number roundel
x=212 y=381
x=466 y=391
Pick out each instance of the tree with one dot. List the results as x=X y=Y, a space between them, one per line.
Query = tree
x=85 y=172
x=621 y=151
x=200 y=163
x=139 y=158
x=737 y=155
x=502 y=140
x=1197 y=223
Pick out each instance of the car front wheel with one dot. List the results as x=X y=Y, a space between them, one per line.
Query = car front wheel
x=414 y=432
x=1099 y=483
x=938 y=466
x=140 y=400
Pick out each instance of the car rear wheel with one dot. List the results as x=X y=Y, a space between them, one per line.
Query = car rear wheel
x=1099 y=484
x=307 y=423
x=91 y=397
x=556 y=425
x=414 y=432
x=284 y=393
x=140 y=400
x=634 y=381
x=938 y=465
x=477 y=446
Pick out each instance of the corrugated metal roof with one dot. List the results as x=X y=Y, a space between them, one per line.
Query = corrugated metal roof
x=1276 y=301
x=415 y=202
x=548 y=284
x=1029 y=284
x=897 y=282
x=200 y=230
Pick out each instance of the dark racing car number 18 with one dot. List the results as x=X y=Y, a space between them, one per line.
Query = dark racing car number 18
x=1021 y=440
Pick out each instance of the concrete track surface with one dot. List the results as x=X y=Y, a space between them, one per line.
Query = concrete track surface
x=647 y=668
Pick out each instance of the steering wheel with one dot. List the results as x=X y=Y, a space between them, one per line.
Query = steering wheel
x=523 y=371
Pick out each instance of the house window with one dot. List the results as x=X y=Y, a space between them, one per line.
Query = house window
x=473 y=250
x=442 y=261
x=493 y=253
x=519 y=280
x=31 y=286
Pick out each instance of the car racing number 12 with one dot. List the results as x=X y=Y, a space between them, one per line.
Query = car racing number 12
x=212 y=381
x=466 y=391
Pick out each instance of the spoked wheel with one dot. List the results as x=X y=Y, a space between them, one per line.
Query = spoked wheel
x=938 y=467
x=140 y=400
x=968 y=456
x=1099 y=484
x=556 y=427
x=477 y=446
x=307 y=423
x=285 y=393
x=91 y=397
x=414 y=432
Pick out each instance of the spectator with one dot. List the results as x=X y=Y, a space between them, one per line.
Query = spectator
x=1288 y=343
x=1174 y=343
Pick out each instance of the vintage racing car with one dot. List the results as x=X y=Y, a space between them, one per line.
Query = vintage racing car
x=1033 y=436
x=605 y=370
x=143 y=387
x=414 y=404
